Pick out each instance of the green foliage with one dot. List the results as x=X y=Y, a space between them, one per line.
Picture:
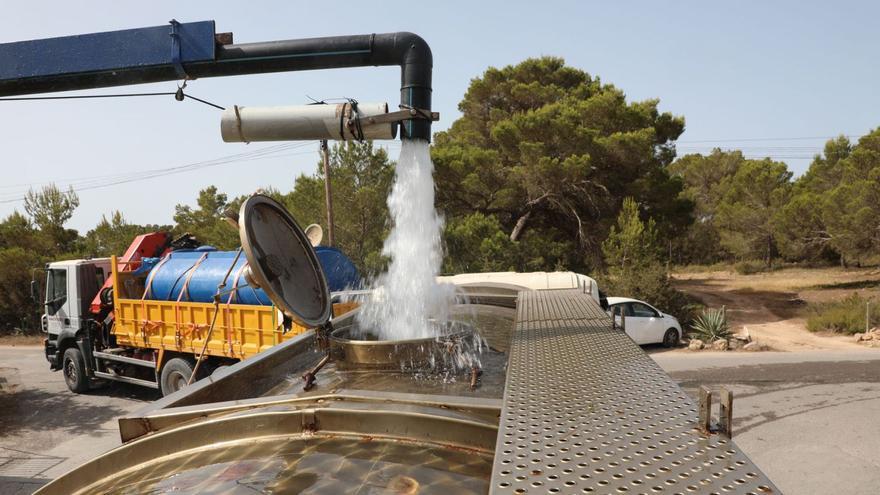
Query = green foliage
x=361 y=177
x=736 y=206
x=707 y=179
x=634 y=266
x=745 y=214
x=113 y=236
x=835 y=206
x=206 y=221
x=17 y=310
x=532 y=177
x=17 y=230
x=547 y=148
x=711 y=325
x=631 y=243
x=476 y=243
x=49 y=209
x=846 y=316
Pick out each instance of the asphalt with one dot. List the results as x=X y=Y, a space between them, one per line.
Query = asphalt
x=807 y=419
x=46 y=430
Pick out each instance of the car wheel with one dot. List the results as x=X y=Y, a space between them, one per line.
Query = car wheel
x=74 y=369
x=670 y=338
x=175 y=374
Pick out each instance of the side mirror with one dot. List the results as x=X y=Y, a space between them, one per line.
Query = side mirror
x=35 y=291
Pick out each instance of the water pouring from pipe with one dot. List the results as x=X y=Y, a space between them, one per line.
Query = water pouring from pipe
x=407 y=302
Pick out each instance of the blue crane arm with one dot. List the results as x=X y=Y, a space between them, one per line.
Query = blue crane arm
x=192 y=50
x=115 y=58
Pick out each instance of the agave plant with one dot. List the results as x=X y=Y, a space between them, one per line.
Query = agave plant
x=711 y=325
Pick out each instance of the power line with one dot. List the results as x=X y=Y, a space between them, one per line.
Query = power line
x=138 y=173
x=142 y=176
x=744 y=140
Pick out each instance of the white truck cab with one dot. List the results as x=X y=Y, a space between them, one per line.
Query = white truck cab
x=70 y=287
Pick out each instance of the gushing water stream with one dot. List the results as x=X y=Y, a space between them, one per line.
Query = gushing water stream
x=407 y=297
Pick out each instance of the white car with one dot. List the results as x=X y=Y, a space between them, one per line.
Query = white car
x=645 y=324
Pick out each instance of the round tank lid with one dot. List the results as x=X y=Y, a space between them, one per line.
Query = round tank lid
x=282 y=261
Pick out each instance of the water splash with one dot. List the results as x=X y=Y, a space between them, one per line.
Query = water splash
x=407 y=297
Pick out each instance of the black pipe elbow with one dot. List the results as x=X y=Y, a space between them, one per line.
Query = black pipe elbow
x=407 y=50
x=413 y=55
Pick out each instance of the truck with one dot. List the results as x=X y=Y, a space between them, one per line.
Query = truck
x=166 y=313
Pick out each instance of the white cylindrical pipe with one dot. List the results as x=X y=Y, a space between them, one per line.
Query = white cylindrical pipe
x=305 y=123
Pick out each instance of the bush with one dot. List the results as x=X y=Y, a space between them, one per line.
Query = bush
x=711 y=325
x=846 y=316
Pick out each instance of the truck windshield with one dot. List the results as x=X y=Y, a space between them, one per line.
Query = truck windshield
x=56 y=290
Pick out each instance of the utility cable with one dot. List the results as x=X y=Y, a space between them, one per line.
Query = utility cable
x=172 y=170
x=179 y=95
x=99 y=178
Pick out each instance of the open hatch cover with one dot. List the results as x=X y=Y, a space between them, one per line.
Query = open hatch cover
x=282 y=261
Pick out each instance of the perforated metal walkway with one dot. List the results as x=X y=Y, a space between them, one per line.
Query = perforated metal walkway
x=587 y=411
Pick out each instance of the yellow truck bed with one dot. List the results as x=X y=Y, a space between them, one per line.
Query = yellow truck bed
x=240 y=331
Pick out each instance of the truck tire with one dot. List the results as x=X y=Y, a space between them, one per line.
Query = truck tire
x=74 y=369
x=175 y=374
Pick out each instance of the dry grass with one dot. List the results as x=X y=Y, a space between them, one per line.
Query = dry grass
x=774 y=306
x=819 y=284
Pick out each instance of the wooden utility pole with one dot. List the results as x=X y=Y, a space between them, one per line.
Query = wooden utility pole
x=328 y=196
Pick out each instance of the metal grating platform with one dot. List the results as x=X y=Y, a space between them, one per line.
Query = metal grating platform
x=587 y=411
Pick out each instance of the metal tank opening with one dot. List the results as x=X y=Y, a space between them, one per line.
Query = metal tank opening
x=456 y=347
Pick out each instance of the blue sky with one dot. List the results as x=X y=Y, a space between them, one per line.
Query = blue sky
x=746 y=70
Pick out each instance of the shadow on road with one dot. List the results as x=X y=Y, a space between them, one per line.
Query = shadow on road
x=16 y=485
x=125 y=391
x=34 y=409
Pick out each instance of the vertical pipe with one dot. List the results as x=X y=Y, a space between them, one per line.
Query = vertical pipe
x=328 y=195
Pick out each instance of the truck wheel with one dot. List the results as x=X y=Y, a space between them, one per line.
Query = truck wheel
x=175 y=374
x=74 y=369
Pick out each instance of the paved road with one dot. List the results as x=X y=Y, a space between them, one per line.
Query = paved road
x=807 y=419
x=46 y=430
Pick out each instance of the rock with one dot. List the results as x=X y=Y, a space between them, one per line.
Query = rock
x=857 y=337
x=735 y=344
x=867 y=336
x=720 y=345
x=753 y=346
x=695 y=344
x=743 y=335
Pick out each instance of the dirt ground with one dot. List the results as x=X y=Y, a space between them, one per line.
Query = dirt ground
x=20 y=340
x=771 y=306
